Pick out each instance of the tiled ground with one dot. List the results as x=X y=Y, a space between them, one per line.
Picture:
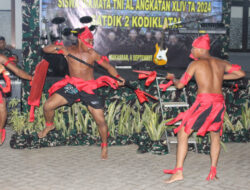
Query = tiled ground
x=80 y=168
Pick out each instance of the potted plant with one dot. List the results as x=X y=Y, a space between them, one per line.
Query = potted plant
x=155 y=127
x=124 y=126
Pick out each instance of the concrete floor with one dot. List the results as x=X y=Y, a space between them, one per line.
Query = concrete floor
x=80 y=168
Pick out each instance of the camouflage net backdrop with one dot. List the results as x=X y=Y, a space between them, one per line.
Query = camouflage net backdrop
x=31 y=47
x=27 y=138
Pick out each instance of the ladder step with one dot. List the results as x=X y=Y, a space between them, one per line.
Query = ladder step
x=171 y=88
x=161 y=78
x=178 y=123
x=175 y=104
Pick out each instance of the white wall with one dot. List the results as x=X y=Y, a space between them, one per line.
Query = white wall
x=236 y=12
x=5 y=5
x=18 y=23
x=5 y=17
x=5 y=20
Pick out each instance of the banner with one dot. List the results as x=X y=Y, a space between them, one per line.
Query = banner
x=129 y=31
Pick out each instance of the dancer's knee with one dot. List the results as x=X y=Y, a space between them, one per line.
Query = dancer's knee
x=47 y=107
x=215 y=136
x=3 y=111
x=182 y=135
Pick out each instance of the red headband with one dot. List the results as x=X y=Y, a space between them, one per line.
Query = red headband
x=86 y=34
x=202 y=42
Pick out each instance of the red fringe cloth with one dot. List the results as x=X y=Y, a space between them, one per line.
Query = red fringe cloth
x=202 y=103
x=37 y=87
x=86 y=86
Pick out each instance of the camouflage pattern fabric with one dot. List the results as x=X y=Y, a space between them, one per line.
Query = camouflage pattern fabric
x=226 y=16
x=6 y=52
x=30 y=46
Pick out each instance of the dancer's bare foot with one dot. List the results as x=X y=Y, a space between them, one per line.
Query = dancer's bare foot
x=214 y=178
x=45 y=131
x=178 y=176
x=104 y=154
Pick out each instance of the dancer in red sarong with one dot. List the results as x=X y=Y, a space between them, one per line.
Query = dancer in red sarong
x=8 y=63
x=207 y=112
x=80 y=85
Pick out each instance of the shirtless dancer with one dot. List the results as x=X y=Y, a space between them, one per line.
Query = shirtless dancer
x=78 y=84
x=9 y=63
x=207 y=112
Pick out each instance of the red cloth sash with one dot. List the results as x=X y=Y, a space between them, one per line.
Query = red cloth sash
x=37 y=87
x=185 y=78
x=7 y=87
x=141 y=95
x=86 y=86
x=86 y=34
x=164 y=87
x=191 y=115
x=59 y=43
x=103 y=58
x=235 y=87
x=10 y=60
x=234 y=68
x=150 y=77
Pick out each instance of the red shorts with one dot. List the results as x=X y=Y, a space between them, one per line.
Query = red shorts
x=206 y=114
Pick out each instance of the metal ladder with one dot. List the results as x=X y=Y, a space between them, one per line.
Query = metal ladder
x=173 y=139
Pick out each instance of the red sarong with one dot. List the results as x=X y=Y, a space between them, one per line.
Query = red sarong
x=82 y=85
x=206 y=114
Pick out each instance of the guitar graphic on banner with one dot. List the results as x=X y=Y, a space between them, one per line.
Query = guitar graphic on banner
x=160 y=56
